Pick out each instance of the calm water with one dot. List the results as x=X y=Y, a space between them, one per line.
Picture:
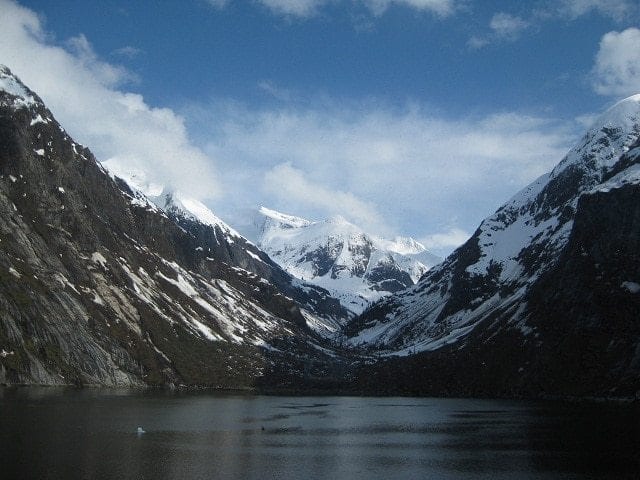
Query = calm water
x=48 y=433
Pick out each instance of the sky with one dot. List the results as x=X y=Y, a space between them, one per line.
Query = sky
x=407 y=117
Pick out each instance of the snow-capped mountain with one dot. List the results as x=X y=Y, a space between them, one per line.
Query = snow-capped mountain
x=549 y=281
x=356 y=267
x=99 y=285
x=228 y=245
x=172 y=202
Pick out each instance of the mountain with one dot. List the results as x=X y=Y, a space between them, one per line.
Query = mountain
x=354 y=266
x=103 y=284
x=544 y=297
x=98 y=285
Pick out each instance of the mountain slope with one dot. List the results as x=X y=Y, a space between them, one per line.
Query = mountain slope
x=334 y=254
x=100 y=286
x=227 y=245
x=545 y=294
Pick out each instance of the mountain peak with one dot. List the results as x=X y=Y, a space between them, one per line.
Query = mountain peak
x=283 y=218
x=611 y=135
x=11 y=84
x=624 y=115
x=176 y=203
x=167 y=198
x=356 y=267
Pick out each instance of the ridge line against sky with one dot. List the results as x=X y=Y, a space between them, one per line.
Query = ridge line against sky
x=408 y=117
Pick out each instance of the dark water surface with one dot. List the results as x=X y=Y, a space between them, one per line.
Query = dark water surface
x=51 y=433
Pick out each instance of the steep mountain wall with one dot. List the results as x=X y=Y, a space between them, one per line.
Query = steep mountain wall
x=99 y=286
x=544 y=298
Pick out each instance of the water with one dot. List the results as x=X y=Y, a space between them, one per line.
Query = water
x=50 y=433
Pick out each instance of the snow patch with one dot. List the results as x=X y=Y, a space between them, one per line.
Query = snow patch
x=97 y=299
x=10 y=84
x=64 y=281
x=37 y=119
x=206 y=331
x=98 y=258
x=183 y=285
x=254 y=256
x=629 y=175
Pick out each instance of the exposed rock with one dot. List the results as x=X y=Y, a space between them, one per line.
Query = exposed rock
x=99 y=286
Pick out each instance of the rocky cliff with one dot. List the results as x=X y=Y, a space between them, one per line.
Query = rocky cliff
x=100 y=286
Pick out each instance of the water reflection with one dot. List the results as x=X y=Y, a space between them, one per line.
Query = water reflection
x=48 y=433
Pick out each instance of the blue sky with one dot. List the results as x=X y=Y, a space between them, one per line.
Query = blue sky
x=412 y=117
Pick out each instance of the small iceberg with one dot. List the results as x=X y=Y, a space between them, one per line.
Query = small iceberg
x=140 y=431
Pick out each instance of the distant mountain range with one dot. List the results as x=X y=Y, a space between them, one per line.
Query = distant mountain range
x=106 y=281
x=356 y=267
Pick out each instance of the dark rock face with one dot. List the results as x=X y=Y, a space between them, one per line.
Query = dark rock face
x=587 y=308
x=98 y=286
x=583 y=314
x=323 y=258
x=387 y=276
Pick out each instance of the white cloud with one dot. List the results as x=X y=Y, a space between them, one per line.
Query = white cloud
x=445 y=241
x=298 y=8
x=477 y=42
x=275 y=91
x=505 y=25
x=309 y=8
x=617 y=65
x=406 y=172
x=587 y=120
x=127 y=52
x=442 y=8
x=88 y=96
x=105 y=73
x=616 y=9
x=289 y=184
x=218 y=3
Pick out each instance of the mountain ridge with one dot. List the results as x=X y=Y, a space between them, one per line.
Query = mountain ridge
x=542 y=298
x=100 y=286
x=354 y=266
x=522 y=238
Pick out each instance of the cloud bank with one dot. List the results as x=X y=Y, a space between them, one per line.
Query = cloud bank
x=505 y=26
x=615 y=9
x=392 y=171
x=88 y=96
x=617 y=64
x=403 y=171
x=310 y=8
